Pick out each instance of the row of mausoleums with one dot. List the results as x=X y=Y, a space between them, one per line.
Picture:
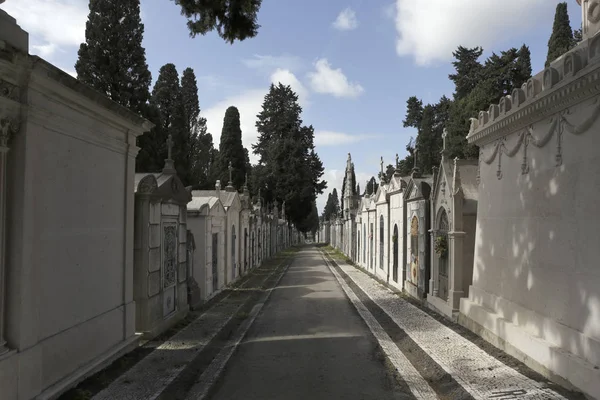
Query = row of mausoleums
x=507 y=244
x=190 y=244
x=414 y=232
x=93 y=255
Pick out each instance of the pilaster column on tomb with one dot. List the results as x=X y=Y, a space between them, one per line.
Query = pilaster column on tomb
x=435 y=265
x=8 y=127
x=455 y=253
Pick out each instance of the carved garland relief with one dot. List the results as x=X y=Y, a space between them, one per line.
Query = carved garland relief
x=8 y=128
x=558 y=124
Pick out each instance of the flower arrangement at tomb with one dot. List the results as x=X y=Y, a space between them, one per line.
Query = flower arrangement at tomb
x=441 y=246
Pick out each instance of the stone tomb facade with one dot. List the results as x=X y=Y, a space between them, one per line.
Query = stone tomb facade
x=381 y=229
x=246 y=227
x=207 y=219
x=536 y=278
x=396 y=231
x=67 y=164
x=417 y=256
x=230 y=199
x=454 y=218
x=160 y=274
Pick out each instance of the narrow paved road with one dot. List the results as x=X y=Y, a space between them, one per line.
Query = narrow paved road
x=308 y=343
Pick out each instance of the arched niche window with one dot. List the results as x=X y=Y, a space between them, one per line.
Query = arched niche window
x=381 y=240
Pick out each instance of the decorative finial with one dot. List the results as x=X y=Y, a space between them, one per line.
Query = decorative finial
x=381 y=164
x=169 y=167
x=170 y=144
x=397 y=160
x=415 y=158
x=457 y=182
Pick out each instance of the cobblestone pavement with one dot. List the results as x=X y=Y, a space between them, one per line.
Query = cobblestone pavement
x=480 y=374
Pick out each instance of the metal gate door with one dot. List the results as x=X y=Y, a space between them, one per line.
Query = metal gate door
x=215 y=261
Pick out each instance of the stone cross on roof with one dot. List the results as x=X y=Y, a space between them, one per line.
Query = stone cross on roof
x=381 y=164
x=415 y=156
x=444 y=136
x=169 y=167
x=397 y=160
x=170 y=144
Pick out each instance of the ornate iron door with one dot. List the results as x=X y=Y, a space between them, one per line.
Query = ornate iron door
x=169 y=267
x=215 y=261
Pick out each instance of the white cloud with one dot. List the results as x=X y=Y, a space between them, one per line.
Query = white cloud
x=249 y=104
x=52 y=24
x=430 y=31
x=269 y=62
x=346 y=20
x=286 y=77
x=331 y=138
x=332 y=81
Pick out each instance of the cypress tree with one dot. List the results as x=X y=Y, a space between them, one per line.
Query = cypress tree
x=199 y=149
x=522 y=70
x=562 y=39
x=468 y=70
x=414 y=113
x=231 y=150
x=112 y=59
x=290 y=170
x=167 y=101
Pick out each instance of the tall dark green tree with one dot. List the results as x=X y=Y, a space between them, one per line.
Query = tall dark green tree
x=112 y=59
x=231 y=150
x=199 y=150
x=428 y=141
x=500 y=75
x=468 y=70
x=290 y=170
x=414 y=113
x=167 y=98
x=168 y=115
x=372 y=186
x=232 y=19
x=561 y=40
x=522 y=67
x=332 y=207
x=406 y=165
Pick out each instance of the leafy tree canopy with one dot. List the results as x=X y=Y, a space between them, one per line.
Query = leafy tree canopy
x=232 y=19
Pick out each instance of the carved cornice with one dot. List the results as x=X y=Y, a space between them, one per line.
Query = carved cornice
x=572 y=79
x=559 y=123
x=9 y=91
x=8 y=128
x=7 y=52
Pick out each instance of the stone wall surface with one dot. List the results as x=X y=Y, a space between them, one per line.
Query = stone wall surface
x=68 y=158
x=536 y=283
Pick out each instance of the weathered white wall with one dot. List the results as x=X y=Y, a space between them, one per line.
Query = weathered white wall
x=536 y=251
x=397 y=219
x=69 y=289
x=381 y=269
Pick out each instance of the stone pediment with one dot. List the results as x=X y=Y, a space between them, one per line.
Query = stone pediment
x=211 y=206
x=380 y=196
x=418 y=188
x=162 y=186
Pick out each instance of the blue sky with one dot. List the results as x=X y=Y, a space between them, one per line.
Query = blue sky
x=353 y=63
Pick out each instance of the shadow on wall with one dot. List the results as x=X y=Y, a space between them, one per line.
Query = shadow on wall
x=538 y=244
